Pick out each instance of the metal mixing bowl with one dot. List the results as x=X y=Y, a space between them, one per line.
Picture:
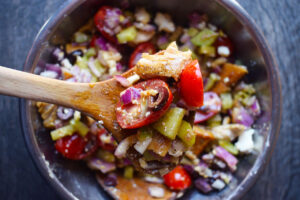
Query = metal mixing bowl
x=72 y=180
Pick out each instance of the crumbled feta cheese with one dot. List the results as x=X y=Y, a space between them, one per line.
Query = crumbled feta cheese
x=143 y=36
x=218 y=184
x=164 y=22
x=66 y=63
x=141 y=15
x=156 y=192
x=228 y=131
x=223 y=51
x=150 y=92
x=245 y=141
x=153 y=179
x=212 y=27
x=49 y=74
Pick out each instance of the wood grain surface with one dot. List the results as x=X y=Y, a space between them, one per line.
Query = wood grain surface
x=279 y=20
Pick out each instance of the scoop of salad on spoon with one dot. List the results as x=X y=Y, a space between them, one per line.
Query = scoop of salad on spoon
x=137 y=107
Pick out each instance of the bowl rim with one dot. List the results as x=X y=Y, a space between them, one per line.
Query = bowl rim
x=242 y=16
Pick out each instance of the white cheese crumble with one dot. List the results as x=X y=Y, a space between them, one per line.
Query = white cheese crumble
x=66 y=63
x=245 y=141
x=223 y=51
x=164 y=22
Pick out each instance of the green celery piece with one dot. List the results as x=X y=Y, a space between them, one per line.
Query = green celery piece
x=62 y=132
x=106 y=156
x=99 y=67
x=192 y=32
x=80 y=127
x=186 y=134
x=82 y=62
x=80 y=37
x=229 y=147
x=205 y=38
x=207 y=50
x=214 y=121
x=90 y=52
x=128 y=172
x=127 y=35
x=170 y=123
x=144 y=133
x=212 y=79
x=147 y=156
x=227 y=101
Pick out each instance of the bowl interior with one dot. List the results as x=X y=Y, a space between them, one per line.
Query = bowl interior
x=72 y=179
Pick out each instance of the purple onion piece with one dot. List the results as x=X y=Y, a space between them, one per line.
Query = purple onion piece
x=224 y=155
x=255 y=108
x=111 y=180
x=64 y=113
x=122 y=80
x=195 y=19
x=120 y=67
x=58 y=54
x=53 y=67
x=101 y=43
x=184 y=38
x=98 y=164
x=162 y=40
x=203 y=185
x=241 y=116
x=130 y=94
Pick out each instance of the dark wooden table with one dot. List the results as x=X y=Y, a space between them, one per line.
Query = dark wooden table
x=20 y=21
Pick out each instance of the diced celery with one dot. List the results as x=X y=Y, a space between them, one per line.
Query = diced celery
x=186 y=134
x=144 y=133
x=99 y=67
x=185 y=48
x=80 y=127
x=192 y=32
x=77 y=115
x=128 y=172
x=106 y=155
x=212 y=79
x=205 y=38
x=62 y=132
x=147 y=156
x=94 y=79
x=90 y=52
x=208 y=50
x=215 y=121
x=226 y=101
x=170 y=123
x=80 y=37
x=127 y=35
x=82 y=62
x=229 y=147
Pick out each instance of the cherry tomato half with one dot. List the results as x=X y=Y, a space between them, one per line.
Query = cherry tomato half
x=106 y=21
x=225 y=42
x=146 y=47
x=212 y=105
x=177 y=179
x=76 y=147
x=129 y=117
x=191 y=85
x=105 y=140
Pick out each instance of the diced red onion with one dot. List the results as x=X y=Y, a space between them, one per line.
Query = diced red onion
x=85 y=76
x=255 y=108
x=54 y=67
x=177 y=148
x=195 y=19
x=58 y=54
x=162 y=40
x=241 y=116
x=184 y=38
x=156 y=192
x=122 y=80
x=119 y=67
x=111 y=180
x=64 y=113
x=223 y=154
x=101 y=43
x=98 y=164
x=144 y=27
x=203 y=185
x=129 y=95
x=112 y=18
x=124 y=146
x=141 y=146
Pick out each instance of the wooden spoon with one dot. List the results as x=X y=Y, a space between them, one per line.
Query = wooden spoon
x=97 y=100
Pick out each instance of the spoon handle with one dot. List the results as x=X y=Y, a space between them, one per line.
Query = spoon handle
x=34 y=87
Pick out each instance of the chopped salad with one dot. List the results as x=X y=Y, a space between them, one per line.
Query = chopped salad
x=186 y=105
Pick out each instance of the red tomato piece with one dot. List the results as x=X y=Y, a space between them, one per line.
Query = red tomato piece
x=191 y=85
x=146 y=47
x=107 y=20
x=212 y=105
x=76 y=147
x=226 y=42
x=126 y=116
x=177 y=179
x=93 y=41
